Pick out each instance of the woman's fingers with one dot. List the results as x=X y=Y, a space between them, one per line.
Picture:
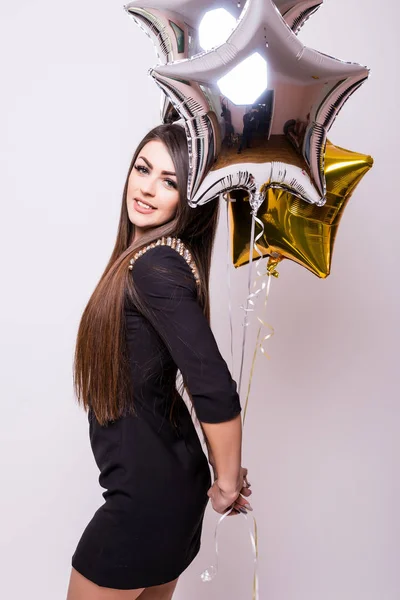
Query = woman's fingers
x=237 y=505
x=241 y=500
x=235 y=511
x=241 y=503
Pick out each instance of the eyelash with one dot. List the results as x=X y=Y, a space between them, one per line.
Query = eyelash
x=145 y=169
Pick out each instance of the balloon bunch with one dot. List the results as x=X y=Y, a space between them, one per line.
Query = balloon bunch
x=257 y=106
x=265 y=136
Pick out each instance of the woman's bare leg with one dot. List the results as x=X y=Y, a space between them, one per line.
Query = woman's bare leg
x=159 y=592
x=81 y=588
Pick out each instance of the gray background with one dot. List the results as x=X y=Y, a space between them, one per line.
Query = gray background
x=321 y=435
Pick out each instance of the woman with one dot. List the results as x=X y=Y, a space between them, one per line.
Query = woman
x=148 y=318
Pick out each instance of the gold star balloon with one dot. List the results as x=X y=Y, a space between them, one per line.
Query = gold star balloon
x=294 y=229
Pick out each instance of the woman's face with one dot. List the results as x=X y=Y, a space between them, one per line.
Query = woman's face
x=153 y=182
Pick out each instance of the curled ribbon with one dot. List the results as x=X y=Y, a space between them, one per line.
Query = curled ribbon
x=208 y=574
x=270 y=272
x=256 y=200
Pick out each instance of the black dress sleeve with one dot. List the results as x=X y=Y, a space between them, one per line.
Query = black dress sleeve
x=166 y=284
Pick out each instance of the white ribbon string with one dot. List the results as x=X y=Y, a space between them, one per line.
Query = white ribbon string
x=208 y=574
x=255 y=203
x=249 y=302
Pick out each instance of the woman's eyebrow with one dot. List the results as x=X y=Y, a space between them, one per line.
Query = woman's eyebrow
x=151 y=166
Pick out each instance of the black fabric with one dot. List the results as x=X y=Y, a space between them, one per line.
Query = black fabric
x=155 y=474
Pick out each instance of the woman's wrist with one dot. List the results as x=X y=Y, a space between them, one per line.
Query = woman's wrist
x=229 y=486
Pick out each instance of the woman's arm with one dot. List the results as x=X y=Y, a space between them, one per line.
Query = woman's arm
x=211 y=458
x=224 y=445
x=230 y=489
x=166 y=285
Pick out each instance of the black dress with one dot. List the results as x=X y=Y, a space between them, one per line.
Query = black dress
x=155 y=473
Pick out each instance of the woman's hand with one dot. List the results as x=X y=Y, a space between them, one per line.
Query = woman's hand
x=223 y=498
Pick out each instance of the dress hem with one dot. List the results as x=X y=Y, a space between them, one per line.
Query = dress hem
x=122 y=578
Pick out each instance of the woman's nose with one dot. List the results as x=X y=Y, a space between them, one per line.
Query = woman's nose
x=148 y=186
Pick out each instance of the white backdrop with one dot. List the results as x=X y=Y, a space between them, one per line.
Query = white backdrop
x=321 y=435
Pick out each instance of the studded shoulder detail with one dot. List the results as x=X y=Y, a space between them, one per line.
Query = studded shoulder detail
x=177 y=245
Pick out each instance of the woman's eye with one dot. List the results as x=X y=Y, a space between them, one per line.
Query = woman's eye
x=141 y=168
x=172 y=183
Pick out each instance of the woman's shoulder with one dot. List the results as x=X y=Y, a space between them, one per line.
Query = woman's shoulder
x=169 y=260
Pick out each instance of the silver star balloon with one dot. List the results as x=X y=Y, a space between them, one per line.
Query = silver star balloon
x=173 y=28
x=295 y=12
x=307 y=88
x=173 y=39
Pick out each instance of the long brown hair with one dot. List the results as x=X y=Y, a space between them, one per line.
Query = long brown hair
x=101 y=374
